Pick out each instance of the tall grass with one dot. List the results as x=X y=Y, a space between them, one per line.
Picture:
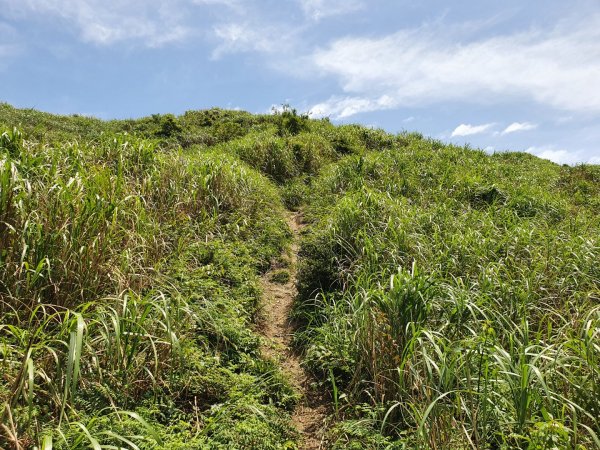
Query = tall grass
x=447 y=298
x=108 y=302
x=465 y=314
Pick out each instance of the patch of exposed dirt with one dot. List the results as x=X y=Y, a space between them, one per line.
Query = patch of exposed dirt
x=310 y=413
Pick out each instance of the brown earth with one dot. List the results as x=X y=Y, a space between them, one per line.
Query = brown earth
x=311 y=411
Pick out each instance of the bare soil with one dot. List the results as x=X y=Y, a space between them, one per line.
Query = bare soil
x=311 y=411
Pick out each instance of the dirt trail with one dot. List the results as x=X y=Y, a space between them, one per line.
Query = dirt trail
x=310 y=413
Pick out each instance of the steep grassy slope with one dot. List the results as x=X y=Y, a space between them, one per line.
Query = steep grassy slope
x=448 y=298
x=454 y=298
x=129 y=282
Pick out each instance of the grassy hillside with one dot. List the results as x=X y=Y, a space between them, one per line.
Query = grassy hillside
x=447 y=298
x=458 y=299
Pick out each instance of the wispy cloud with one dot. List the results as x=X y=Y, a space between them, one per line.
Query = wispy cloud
x=342 y=107
x=468 y=130
x=9 y=46
x=104 y=22
x=437 y=63
x=7 y=51
x=235 y=4
x=252 y=36
x=519 y=126
x=320 y=9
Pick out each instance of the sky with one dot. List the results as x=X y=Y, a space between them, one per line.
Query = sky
x=510 y=75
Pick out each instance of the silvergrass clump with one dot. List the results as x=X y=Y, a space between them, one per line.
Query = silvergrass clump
x=463 y=312
x=101 y=243
x=447 y=298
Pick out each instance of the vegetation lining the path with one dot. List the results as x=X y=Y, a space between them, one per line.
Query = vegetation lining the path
x=448 y=298
x=454 y=298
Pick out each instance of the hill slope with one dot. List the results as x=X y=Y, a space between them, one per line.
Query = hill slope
x=446 y=298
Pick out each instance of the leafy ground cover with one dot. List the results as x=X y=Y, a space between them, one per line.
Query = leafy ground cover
x=446 y=298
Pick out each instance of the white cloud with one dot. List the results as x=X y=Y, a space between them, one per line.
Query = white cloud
x=229 y=3
x=564 y=119
x=155 y=23
x=105 y=22
x=250 y=36
x=468 y=130
x=436 y=63
x=594 y=160
x=519 y=126
x=342 y=107
x=559 y=156
x=320 y=9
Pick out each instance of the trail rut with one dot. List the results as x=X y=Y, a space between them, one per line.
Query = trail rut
x=310 y=413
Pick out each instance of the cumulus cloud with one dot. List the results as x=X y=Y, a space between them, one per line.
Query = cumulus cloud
x=414 y=67
x=319 y=9
x=468 y=130
x=519 y=126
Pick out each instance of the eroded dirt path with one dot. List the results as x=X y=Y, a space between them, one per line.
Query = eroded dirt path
x=311 y=411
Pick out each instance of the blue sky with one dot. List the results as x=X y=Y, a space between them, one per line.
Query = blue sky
x=519 y=75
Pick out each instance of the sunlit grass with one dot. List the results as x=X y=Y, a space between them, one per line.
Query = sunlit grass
x=464 y=313
x=121 y=288
x=447 y=298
